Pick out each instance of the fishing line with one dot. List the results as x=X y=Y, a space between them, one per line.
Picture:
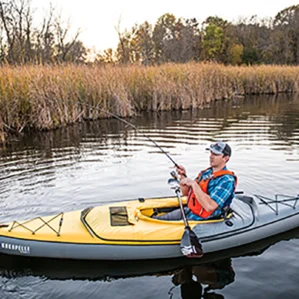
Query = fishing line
x=132 y=126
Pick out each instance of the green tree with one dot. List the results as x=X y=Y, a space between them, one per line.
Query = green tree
x=235 y=54
x=250 y=56
x=219 y=22
x=212 y=42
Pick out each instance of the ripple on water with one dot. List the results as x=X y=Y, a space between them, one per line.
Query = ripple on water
x=104 y=161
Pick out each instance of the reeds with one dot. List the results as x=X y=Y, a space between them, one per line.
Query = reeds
x=47 y=97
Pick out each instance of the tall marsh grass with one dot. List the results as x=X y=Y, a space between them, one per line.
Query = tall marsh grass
x=46 y=97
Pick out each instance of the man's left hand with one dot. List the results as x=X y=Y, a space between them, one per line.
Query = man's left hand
x=187 y=182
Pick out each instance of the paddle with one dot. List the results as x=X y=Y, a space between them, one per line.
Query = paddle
x=190 y=245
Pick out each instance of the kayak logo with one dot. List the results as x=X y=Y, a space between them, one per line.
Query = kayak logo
x=16 y=247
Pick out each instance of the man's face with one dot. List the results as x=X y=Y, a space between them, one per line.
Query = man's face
x=217 y=160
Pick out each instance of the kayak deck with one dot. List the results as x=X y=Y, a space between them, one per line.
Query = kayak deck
x=127 y=222
x=132 y=222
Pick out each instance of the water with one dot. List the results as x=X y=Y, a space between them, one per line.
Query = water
x=104 y=161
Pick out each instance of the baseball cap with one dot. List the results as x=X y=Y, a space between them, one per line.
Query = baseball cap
x=219 y=148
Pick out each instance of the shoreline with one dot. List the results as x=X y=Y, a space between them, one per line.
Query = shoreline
x=49 y=97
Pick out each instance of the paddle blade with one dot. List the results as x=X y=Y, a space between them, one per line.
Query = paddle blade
x=190 y=245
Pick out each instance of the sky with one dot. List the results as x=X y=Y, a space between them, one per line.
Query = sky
x=98 y=19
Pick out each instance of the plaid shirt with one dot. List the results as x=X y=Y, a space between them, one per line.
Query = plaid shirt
x=220 y=189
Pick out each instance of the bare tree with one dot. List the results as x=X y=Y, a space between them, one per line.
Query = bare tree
x=16 y=19
x=63 y=47
x=44 y=46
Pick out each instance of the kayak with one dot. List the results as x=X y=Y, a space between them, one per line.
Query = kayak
x=126 y=230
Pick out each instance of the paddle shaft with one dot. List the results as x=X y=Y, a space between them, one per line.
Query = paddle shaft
x=177 y=191
x=190 y=245
x=132 y=126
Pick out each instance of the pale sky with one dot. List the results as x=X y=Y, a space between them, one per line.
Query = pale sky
x=97 y=19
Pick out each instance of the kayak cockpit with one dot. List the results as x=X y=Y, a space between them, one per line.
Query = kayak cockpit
x=131 y=221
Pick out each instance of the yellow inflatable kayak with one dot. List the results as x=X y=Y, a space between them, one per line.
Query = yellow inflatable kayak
x=126 y=231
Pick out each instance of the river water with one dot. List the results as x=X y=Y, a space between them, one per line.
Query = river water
x=104 y=161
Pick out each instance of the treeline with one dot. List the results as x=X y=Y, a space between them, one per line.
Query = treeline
x=249 y=41
x=21 y=42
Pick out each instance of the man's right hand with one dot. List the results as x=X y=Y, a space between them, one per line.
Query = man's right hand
x=181 y=170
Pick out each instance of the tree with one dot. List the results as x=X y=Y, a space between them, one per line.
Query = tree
x=20 y=42
x=123 y=51
x=45 y=39
x=106 y=57
x=236 y=54
x=164 y=31
x=213 y=42
x=219 y=22
x=144 y=45
x=76 y=52
x=189 y=39
x=286 y=35
x=16 y=20
x=253 y=36
x=63 y=47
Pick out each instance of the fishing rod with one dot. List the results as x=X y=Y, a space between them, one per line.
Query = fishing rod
x=134 y=127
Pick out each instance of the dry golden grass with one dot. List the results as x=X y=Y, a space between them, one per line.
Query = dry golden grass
x=46 y=97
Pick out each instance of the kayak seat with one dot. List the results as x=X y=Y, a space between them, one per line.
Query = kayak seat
x=246 y=199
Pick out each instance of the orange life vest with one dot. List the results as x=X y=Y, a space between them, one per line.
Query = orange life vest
x=193 y=203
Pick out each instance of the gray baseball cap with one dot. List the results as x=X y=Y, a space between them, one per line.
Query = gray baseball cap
x=219 y=148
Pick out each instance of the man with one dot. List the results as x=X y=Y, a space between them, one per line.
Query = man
x=213 y=189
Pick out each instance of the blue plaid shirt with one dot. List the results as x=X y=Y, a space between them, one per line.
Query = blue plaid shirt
x=220 y=189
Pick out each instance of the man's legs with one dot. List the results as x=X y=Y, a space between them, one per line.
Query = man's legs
x=173 y=215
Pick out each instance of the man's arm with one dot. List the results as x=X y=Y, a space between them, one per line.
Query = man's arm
x=204 y=199
x=218 y=196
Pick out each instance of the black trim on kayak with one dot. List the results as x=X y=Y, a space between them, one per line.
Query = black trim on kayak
x=82 y=218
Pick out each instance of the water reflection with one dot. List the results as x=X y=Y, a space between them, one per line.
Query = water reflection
x=201 y=281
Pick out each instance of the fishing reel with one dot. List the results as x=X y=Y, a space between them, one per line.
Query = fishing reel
x=174 y=182
x=174 y=175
